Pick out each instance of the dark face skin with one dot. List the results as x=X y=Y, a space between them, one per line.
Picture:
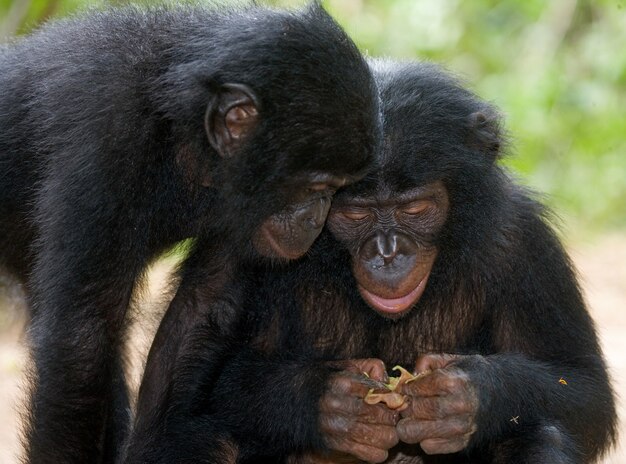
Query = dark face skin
x=290 y=233
x=229 y=122
x=391 y=240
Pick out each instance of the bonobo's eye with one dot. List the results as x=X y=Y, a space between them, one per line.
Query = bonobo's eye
x=355 y=214
x=416 y=207
x=318 y=187
x=321 y=190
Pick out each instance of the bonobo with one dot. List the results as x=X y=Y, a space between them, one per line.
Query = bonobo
x=125 y=131
x=436 y=261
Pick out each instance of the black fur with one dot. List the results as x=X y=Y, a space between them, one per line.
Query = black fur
x=102 y=147
x=501 y=287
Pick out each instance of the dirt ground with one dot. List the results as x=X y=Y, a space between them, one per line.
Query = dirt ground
x=602 y=267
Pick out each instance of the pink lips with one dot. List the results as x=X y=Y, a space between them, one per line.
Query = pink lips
x=394 y=305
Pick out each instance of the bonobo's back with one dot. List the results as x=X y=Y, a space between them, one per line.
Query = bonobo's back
x=116 y=87
x=115 y=72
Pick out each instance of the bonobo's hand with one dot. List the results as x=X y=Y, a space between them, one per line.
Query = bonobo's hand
x=348 y=424
x=442 y=406
x=318 y=458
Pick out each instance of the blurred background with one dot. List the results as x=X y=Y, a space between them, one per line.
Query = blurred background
x=556 y=69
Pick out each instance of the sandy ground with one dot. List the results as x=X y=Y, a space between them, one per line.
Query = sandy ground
x=602 y=266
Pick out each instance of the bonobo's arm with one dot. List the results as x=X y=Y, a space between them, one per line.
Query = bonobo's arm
x=280 y=405
x=91 y=248
x=544 y=397
x=79 y=300
x=224 y=399
x=194 y=337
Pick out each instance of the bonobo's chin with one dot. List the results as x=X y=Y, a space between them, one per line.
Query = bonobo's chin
x=394 y=308
x=270 y=246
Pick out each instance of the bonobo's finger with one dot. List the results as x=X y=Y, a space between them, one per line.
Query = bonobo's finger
x=430 y=362
x=333 y=404
x=372 y=367
x=440 y=407
x=436 y=383
x=416 y=431
x=350 y=384
x=379 y=414
x=361 y=451
x=327 y=458
x=379 y=436
x=340 y=428
x=445 y=446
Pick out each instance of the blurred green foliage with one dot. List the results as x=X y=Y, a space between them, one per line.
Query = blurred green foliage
x=557 y=69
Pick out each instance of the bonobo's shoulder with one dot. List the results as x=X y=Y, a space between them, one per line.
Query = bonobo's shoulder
x=525 y=224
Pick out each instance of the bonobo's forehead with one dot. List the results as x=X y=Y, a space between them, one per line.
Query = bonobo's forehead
x=386 y=195
x=309 y=180
x=427 y=123
x=423 y=105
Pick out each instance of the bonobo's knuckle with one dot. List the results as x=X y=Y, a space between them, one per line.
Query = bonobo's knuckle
x=431 y=408
x=336 y=425
x=391 y=438
x=441 y=446
x=470 y=429
x=407 y=431
x=361 y=408
x=383 y=457
x=376 y=456
x=374 y=368
x=378 y=414
x=441 y=408
x=429 y=447
x=340 y=384
x=451 y=383
x=437 y=383
x=333 y=403
x=460 y=426
x=384 y=437
x=462 y=405
x=375 y=363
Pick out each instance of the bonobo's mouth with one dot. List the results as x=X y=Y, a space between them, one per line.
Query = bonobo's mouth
x=394 y=307
x=272 y=244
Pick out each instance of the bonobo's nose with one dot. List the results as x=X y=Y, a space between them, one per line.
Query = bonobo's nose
x=387 y=246
x=314 y=217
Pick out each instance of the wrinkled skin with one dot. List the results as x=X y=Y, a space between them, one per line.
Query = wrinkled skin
x=290 y=233
x=350 y=425
x=390 y=239
x=440 y=416
x=442 y=407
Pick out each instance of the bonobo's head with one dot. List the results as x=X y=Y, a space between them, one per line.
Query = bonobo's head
x=429 y=192
x=290 y=114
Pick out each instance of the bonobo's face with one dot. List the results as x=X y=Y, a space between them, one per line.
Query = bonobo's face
x=391 y=238
x=297 y=180
x=290 y=233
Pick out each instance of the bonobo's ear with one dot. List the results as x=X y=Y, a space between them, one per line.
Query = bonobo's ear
x=230 y=118
x=485 y=133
